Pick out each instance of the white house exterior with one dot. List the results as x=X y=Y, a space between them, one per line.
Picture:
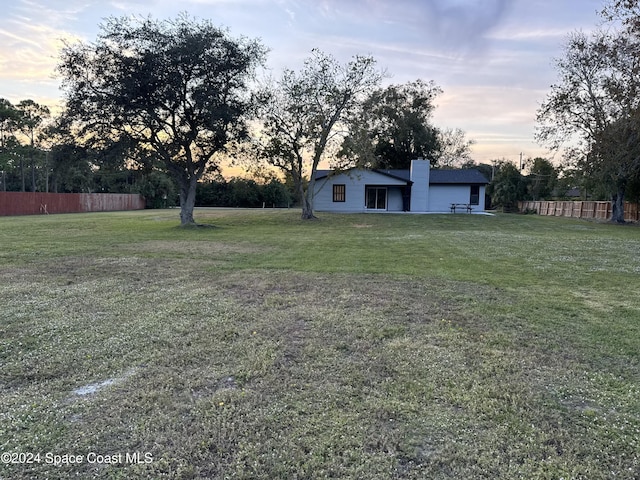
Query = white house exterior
x=419 y=189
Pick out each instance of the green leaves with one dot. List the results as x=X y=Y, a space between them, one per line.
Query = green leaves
x=393 y=126
x=592 y=111
x=303 y=114
x=178 y=88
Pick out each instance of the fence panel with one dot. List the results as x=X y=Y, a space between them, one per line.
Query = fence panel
x=33 y=203
x=631 y=212
x=587 y=209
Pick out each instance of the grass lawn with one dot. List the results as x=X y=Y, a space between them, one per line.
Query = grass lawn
x=353 y=347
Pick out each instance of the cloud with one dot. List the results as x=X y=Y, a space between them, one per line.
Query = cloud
x=291 y=13
x=519 y=34
x=31 y=35
x=29 y=51
x=499 y=118
x=462 y=23
x=450 y=24
x=52 y=12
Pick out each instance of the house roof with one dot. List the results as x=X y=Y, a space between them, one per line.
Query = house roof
x=399 y=174
x=436 y=176
x=323 y=173
x=461 y=176
x=402 y=175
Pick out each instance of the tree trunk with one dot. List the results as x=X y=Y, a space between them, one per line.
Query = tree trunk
x=617 y=212
x=306 y=200
x=187 y=202
x=307 y=210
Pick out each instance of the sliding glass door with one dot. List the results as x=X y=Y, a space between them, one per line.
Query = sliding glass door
x=376 y=198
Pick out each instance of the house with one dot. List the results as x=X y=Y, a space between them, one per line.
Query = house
x=419 y=189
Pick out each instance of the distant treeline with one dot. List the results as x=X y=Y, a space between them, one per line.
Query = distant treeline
x=243 y=193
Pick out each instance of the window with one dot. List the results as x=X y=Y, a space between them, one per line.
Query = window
x=475 y=195
x=339 y=193
x=376 y=198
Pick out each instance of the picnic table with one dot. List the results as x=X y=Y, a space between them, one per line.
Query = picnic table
x=466 y=206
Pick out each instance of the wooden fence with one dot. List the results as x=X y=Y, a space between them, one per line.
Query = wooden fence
x=33 y=203
x=597 y=210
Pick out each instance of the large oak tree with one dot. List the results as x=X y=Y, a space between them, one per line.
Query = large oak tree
x=178 y=88
x=393 y=126
x=304 y=114
x=594 y=109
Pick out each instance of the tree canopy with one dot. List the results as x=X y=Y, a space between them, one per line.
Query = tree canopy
x=454 y=149
x=178 y=88
x=593 y=110
x=507 y=187
x=303 y=114
x=543 y=177
x=22 y=136
x=393 y=126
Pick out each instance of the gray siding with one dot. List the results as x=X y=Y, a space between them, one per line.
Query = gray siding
x=442 y=196
x=355 y=182
x=394 y=199
x=449 y=186
x=420 y=171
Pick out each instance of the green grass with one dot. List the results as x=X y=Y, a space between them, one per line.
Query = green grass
x=353 y=347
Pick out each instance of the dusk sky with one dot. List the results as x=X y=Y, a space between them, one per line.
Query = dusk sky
x=492 y=58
